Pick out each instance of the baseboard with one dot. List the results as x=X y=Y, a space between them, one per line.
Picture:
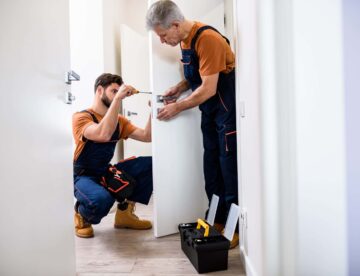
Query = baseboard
x=250 y=271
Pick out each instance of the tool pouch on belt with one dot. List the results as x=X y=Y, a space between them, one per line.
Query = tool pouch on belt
x=120 y=184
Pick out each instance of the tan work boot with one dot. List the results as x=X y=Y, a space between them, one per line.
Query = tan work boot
x=219 y=227
x=83 y=229
x=235 y=241
x=127 y=219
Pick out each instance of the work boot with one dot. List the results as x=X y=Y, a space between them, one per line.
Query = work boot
x=235 y=241
x=83 y=229
x=219 y=227
x=126 y=218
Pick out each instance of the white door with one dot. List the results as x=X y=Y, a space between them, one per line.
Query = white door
x=179 y=191
x=136 y=72
x=36 y=206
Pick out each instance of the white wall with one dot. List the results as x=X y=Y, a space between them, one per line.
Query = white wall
x=116 y=12
x=111 y=15
x=229 y=21
x=87 y=50
x=320 y=142
x=296 y=109
x=302 y=69
x=248 y=125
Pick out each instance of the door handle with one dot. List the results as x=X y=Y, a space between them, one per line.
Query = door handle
x=71 y=76
x=129 y=113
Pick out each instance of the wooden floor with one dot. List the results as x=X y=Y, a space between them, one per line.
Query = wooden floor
x=137 y=252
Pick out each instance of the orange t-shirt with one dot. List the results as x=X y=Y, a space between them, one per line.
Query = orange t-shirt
x=215 y=54
x=81 y=120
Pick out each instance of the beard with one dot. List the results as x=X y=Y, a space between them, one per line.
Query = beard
x=105 y=100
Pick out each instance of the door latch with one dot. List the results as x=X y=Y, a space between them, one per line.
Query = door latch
x=129 y=113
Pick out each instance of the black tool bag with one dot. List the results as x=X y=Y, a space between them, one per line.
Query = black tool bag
x=120 y=184
x=207 y=250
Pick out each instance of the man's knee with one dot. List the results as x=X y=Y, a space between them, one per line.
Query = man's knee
x=98 y=208
x=146 y=162
x=103 y=202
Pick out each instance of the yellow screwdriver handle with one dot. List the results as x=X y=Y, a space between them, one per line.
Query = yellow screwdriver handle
x=205 y=225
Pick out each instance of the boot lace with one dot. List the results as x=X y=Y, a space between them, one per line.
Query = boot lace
x=133 y=211
x=83 y=223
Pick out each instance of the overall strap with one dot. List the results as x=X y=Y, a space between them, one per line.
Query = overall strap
x=96 y=120
x=92 y=115
x=200 y=30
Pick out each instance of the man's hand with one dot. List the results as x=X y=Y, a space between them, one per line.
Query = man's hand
x=168 y=112
x=173 y=92
x=124 y=91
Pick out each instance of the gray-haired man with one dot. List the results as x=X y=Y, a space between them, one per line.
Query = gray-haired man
x=209 y=70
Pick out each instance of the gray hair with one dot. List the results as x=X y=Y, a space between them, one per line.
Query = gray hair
x=163 y=13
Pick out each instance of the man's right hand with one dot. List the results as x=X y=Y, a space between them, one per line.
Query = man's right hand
x=173 y=92
x=124 y=91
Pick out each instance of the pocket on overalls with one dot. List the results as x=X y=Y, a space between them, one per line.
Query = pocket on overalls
x=230 y=138
x=186 y=59
x=226 y=92
x=189 y=70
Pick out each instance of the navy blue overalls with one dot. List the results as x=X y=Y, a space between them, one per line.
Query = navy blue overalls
x=94 y=201
x=218 y=125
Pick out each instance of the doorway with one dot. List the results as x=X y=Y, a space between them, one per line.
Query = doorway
x=106 y=51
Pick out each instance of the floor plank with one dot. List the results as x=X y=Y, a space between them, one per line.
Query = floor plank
x=123 y=252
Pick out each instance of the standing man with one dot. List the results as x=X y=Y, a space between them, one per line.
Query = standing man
x=96 y=131
x=209 y=70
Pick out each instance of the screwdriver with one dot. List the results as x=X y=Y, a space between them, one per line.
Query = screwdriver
x=160 y=98
x=142 y=92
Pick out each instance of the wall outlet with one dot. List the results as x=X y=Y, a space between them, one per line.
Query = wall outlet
x=243 y=218
x=243 y=230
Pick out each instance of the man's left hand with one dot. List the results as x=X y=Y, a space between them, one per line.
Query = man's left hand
x=168 y=112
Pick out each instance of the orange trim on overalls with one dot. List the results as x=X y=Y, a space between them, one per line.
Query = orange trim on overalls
x=126 y=183
x=222 y=102
x=103 y=181
x=127 y=159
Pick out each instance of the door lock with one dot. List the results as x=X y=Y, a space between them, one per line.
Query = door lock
x=69 y=98
x=129 y=113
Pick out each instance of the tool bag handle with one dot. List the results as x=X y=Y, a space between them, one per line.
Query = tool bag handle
x=205 y=225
